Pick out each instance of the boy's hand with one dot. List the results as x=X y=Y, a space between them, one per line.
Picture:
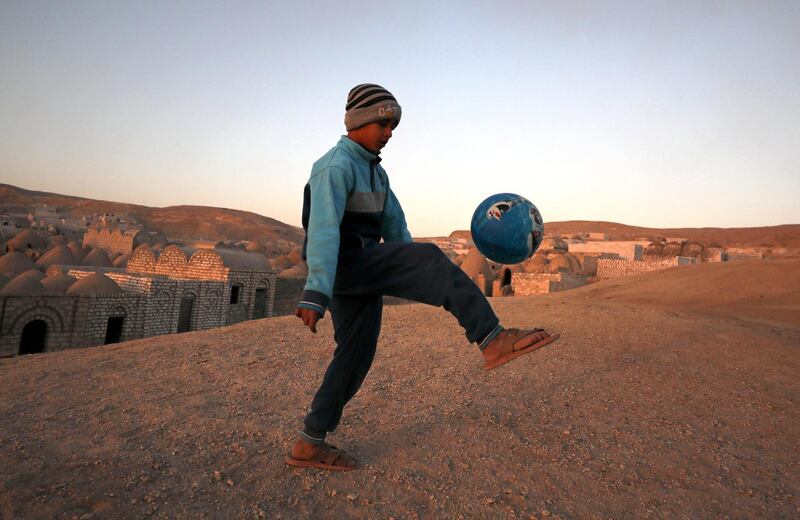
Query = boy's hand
x=309 y=317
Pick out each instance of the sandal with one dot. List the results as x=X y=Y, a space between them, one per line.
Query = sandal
x=324 y=456
x=512 y=343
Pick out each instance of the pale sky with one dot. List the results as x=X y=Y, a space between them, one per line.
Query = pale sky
x=661 y=114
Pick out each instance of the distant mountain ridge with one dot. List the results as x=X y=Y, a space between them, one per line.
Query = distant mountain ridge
x=786 y=235
x=176 y=222
x=223 y=224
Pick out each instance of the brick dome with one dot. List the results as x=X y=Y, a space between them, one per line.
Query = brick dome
x=26 y=283
x=97 y=258
x=78 y=251
x=58 y=283
x=122 y=260
x=34 y=273
x=475 y=264
x=28 y=239
x=55 y=241
x=59 y=255
x=559 y=263
x=14 y=263
x=95 y=283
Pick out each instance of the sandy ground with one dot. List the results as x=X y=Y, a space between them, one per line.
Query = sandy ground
x=672 y=394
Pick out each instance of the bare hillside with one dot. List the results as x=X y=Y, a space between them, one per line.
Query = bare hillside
x=176 y=222
x=668 y=395
x=784 y=239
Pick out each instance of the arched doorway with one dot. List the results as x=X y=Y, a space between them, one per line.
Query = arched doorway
x=34 y=336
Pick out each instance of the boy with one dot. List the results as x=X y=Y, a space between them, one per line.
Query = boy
x=348 y=208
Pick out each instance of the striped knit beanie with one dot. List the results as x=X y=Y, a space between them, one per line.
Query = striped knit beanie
x=367 y=103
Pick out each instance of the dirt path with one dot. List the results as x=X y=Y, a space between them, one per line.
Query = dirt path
x=638 y=411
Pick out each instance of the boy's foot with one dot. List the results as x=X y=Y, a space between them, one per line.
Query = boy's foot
x=512 y=343
x=306 y=455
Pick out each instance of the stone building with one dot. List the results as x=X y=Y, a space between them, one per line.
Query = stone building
x=93 y=311
x=113 y=240
x=177 y=291
x=527 y=284
x=617 y=268
x=629 y=250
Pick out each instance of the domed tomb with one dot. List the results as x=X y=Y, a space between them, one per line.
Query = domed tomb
x=95 y=283
x=475 y=264
x=536 y=264
x=97 y=258
x=23 y=284
x=27 y=239
x=78 y=251
x=59 y=283
x=34 y=273
x=55 y=241
x=14 y=263
x=672 y=249
x=59 y=255
x=558 y=263
x=654 y=249
x=692 y=249
x=122 y=260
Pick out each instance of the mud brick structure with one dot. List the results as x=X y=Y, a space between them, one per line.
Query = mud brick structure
x=246 y=283
x=526 y=284
x=177 y=291
x=628 y=250
x=610 y=268
x=743 y=253
x=287 y=293
x=68 y=321
x=114 y=240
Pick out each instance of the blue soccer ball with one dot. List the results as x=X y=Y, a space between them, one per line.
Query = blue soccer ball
x=507 y=228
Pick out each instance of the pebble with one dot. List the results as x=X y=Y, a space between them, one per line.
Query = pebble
x=229 y=482
x=217 y=476
x=544 y=512
x=351 y=497
x=489 y=500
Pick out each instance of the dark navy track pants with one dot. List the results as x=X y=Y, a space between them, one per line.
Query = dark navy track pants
x=418 y=271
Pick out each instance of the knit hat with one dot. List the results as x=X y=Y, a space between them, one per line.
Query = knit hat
x=367 y=103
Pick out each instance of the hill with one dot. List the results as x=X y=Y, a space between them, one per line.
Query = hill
x=181 y=223
x=781 y=237
x=671 y=394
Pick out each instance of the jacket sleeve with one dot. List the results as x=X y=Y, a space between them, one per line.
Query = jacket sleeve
x=329 y=191
x=394 y=227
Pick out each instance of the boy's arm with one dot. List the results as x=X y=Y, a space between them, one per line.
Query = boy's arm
x=394 y=227
x=329 y=189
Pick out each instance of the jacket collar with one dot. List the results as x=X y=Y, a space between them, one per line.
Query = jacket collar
x=357 y=150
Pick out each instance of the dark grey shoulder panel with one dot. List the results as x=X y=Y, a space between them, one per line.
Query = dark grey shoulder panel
x=366 y=202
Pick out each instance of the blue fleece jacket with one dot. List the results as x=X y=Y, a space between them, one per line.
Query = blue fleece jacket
x=347 y=202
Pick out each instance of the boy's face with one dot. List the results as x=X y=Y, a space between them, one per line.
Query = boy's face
x=374 y=136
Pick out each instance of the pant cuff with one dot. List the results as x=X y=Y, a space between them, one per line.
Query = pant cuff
x=313 y=437
x=489 y=337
